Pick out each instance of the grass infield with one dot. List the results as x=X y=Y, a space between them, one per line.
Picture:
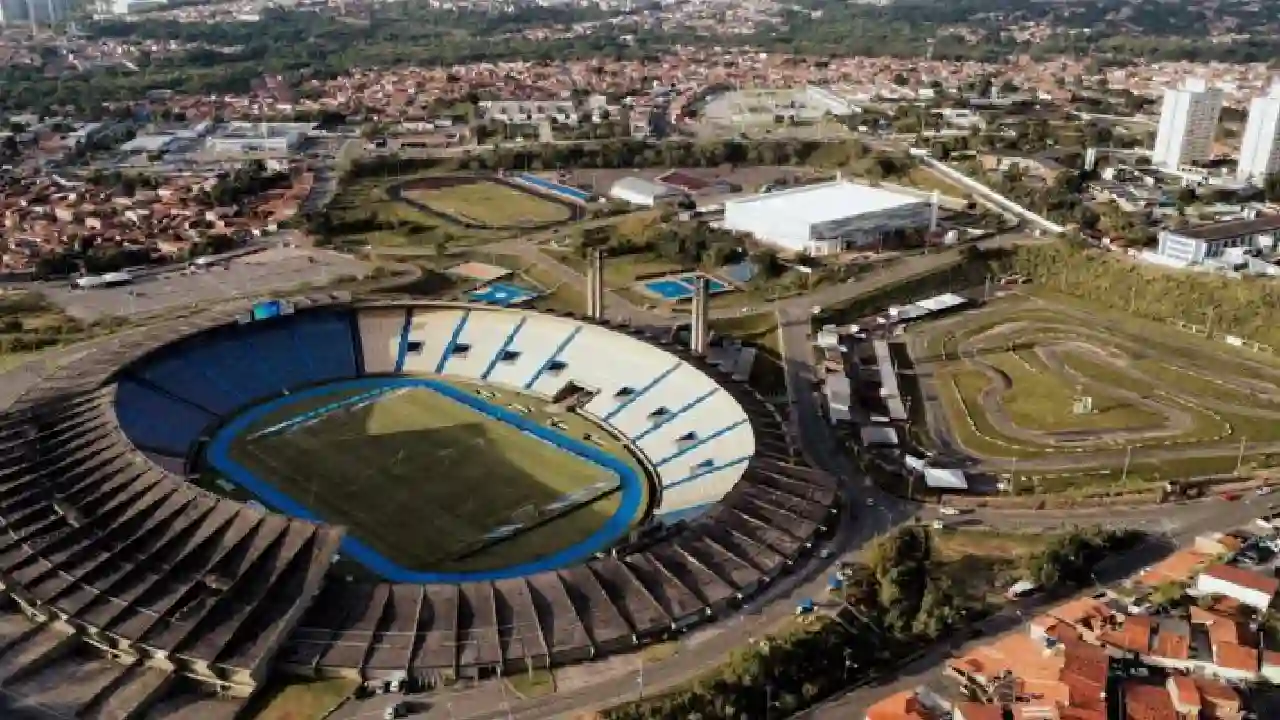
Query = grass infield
x=488 y=203
x=421 y=478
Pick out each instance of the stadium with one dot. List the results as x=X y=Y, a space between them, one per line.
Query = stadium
x=330 y=487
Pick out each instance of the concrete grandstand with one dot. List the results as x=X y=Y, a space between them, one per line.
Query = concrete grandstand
x=107 y=542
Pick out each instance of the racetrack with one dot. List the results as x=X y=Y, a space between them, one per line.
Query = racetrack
x=1045 y=384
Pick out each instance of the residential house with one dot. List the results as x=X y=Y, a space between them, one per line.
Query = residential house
x=1249 y=587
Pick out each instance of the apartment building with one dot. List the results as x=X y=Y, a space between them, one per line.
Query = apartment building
x=35 y=12
x=1188 y=120
x=1260 y=146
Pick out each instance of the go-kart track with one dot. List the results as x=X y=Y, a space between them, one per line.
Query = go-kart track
x=1037 y=384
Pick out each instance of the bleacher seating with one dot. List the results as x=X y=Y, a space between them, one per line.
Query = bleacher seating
x=326 y=341
x=157 y=422
x=430 y=333
x=181 y=374
x=239 y=365
x=380 y=332
x=694 y=432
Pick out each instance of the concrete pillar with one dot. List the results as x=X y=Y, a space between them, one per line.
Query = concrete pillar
x=595 y=284
x=699 y=330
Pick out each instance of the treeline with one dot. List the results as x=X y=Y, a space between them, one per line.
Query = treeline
x=632 y=153
x=1072 y=559
x=1245 y=307
x=894 y=604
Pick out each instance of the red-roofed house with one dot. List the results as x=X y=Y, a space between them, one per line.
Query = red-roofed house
x=977 y=711
x=1249 y=587
x=1185 y=696
x=1235 y=662
x=1148 y=702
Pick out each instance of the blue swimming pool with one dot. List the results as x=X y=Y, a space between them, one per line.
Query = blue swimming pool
x=681 y=287
x=502 y=294
x=571 y=193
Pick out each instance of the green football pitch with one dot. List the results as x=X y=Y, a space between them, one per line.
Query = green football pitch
x=422 y=478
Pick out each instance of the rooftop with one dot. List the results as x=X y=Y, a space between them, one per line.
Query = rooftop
x=825 y=202
x=1231 y=229
x=1244 y=578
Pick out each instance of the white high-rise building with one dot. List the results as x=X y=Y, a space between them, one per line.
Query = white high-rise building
x=1260 y=147
x=34 y=12
x=1188 y=120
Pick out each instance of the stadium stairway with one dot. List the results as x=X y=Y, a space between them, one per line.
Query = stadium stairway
x=32 y=650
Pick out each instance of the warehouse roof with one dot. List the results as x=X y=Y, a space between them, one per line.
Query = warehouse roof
x=825 y=202
x=641 y=187
x=1231 y=229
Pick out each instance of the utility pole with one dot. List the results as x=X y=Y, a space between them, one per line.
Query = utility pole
x=1128 y=453
x=1240 y=456
x=640 y=679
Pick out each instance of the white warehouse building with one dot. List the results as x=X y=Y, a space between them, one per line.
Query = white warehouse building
x=828 y=218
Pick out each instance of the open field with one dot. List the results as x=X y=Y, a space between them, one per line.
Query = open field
x=484 y=203
x=1034 y=381
x=428 y=481
x=365 y=213
x=302 y=699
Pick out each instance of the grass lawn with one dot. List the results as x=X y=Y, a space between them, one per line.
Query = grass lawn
x=303 y=699
x=421 y=478
x=1041 y=401
x=489 y=203
x=393 y=223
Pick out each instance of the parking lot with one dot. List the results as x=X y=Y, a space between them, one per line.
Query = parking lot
x=272 y=270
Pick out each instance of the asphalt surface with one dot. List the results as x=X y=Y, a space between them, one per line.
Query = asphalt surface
x=291 y=268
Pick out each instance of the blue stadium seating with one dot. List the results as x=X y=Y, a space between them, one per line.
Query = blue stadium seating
x=239 y=365
x=183 y=374
x=277 y=355
x=326 y=345
x=157 y=422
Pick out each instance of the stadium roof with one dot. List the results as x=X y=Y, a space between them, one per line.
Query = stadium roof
x=825 y=202
x=879 y=435
x=945 y=479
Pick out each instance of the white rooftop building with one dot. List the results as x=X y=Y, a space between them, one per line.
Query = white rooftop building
x=639 y=191
x=827 y=218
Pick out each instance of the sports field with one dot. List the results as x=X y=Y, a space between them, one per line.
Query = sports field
x=490 y=204
x=432 y=480
x=1064 y=392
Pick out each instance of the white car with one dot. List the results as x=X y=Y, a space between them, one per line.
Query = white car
x=870 y=502
x=948 y=510
x=1264 y=490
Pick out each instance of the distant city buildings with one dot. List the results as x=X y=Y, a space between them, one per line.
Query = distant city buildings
x=1188 y=119
x=35 y=12
x=128 y=7
x=1260 y=146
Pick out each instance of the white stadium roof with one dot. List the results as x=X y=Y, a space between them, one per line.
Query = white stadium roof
x=943 y=479
x=825 y=202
